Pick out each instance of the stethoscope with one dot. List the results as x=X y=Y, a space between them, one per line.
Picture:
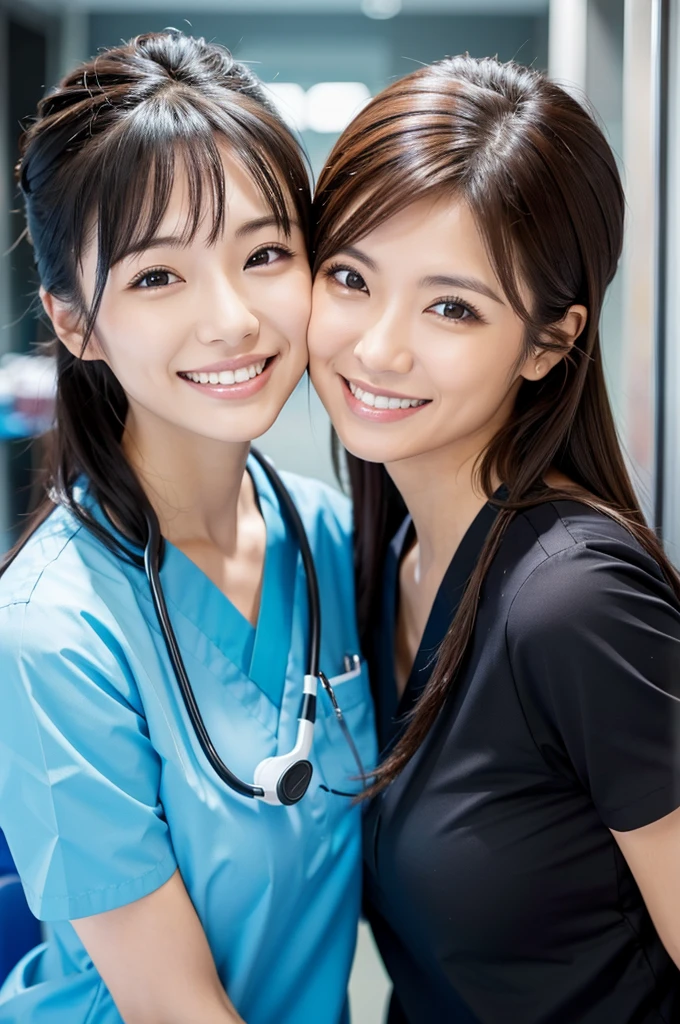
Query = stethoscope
x=283 y=779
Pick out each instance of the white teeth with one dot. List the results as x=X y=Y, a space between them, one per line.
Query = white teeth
x=227 y=377
x=382 y=401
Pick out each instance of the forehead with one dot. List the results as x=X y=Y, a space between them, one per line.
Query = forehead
x=430 y=229
x=243 y=200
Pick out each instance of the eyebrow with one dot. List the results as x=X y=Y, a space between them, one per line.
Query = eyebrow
x=178 y=242
x=251 y=226
x=472 y=284
x=359 y=256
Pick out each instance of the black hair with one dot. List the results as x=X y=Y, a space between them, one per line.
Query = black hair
x=102 y=154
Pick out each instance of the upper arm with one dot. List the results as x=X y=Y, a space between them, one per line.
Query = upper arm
x=653 y=855
x=79 y=777
x=155 y=960
x=594 y=643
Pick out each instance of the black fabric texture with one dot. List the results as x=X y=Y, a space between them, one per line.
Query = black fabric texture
x=495 y=889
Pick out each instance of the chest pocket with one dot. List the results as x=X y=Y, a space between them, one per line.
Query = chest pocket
x=337 y=763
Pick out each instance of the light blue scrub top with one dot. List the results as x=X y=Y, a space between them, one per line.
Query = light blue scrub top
x=104 y=789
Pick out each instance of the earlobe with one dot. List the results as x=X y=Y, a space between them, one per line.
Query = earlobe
x=542 y=361
x=67 y=326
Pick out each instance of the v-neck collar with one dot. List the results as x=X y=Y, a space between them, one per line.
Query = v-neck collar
x=260 y=652
x=391 y=710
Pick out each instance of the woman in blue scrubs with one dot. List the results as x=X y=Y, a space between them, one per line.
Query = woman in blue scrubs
x=168 y=208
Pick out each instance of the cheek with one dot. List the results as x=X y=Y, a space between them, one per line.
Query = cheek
x=476 y=363
x=291 y=304
x=327 y=335
x=138 y=347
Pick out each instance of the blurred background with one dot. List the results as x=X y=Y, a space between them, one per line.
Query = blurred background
x=322 y=59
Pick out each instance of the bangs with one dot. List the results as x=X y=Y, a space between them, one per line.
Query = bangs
x=384 y=164
x=136 y=165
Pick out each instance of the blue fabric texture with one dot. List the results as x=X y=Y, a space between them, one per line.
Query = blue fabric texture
x=104 y=789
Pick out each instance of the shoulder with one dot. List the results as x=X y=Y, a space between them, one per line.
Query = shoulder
x=63 y=585
x=577 y=567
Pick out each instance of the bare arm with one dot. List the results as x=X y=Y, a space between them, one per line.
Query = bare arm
x=653 y=855
x=155 y=960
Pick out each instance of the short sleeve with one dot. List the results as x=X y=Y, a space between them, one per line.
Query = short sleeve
x=594 y=644
x=79 y=778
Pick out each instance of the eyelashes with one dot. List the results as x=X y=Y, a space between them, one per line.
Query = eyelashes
x=338 y=268
x=253 y=261
x=456 y=301
x=282 y=250
x=470 y=311
x=151 y=272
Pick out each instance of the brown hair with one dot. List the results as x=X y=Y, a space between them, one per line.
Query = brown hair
x=542 y=183
x=103 y=149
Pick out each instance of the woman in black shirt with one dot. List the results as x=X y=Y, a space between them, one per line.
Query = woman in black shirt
x=522 y=844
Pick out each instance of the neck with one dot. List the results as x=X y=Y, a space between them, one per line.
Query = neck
x=197 y=486
x=443 y=496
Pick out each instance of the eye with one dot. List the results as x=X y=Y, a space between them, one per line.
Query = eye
x=454 y=309
x=159 y=277
x=347 y=278
x=268 y=255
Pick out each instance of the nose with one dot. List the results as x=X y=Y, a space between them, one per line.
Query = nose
x=224 y=315
x=385 y=346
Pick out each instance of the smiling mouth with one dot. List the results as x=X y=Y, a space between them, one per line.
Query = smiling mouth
x=226 y=377
x=375 y=400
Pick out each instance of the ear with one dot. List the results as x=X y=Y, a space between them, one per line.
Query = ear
x=68 y=327
x=541 y=361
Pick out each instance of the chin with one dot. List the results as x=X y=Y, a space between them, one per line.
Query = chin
x=373 y=450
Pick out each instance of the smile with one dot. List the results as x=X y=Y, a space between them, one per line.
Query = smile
x=225 y=377
x=376 y=401
x=380 y=408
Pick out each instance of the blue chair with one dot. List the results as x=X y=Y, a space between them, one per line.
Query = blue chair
x=19 y=930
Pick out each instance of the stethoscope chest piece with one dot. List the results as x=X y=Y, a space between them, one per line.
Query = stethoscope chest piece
x=291 y=784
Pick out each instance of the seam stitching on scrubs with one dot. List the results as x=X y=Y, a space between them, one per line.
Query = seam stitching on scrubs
x=117 y=885
x=26 y=600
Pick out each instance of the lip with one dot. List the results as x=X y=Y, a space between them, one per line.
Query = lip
x=237 y=363
x=232 y=392
x=370 y=413
x=381 y=391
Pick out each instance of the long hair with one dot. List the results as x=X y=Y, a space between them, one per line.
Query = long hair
x=541 y=181
x=103 y=150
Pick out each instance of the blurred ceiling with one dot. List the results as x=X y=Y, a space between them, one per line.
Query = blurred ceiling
x=295 y=6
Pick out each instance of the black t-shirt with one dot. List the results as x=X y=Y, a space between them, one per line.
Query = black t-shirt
x=495 y=889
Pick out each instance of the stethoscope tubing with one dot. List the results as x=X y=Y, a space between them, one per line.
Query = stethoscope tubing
x=153 y=557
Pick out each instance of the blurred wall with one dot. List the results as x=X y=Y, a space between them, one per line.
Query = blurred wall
x=307 y=49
